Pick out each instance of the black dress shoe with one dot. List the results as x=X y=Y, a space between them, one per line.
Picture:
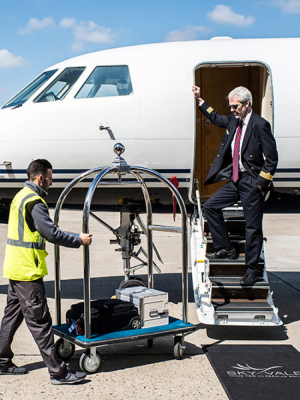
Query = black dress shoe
x=249 y=279
x=13 y=370
x=223 y=253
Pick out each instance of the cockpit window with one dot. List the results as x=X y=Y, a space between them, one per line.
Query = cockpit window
x=29 y=90
x=107 y=81
x=61 y=86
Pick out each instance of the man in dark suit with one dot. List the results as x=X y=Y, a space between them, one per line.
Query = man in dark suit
x=248 y=157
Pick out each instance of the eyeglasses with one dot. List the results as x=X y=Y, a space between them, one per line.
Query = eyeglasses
x=234 y=106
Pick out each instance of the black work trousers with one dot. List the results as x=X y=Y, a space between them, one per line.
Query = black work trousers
x=27 y=300
x=252 y=198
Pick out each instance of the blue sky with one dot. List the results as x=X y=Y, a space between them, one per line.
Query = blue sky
x=36 y=34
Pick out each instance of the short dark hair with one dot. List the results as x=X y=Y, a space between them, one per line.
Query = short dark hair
x=38 y=167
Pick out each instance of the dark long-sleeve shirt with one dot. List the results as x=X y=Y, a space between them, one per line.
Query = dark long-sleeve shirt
x=37 y=217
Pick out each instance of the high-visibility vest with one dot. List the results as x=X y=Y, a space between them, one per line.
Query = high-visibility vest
x=25 y=250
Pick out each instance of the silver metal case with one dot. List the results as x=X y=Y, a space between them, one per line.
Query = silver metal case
x=152 y=304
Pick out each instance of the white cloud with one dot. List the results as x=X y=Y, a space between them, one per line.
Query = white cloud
x=8 y=60
x=68 y=22
x=288 y=6
x=88 y=31
x=35 y=24
x=187 y=33
x=224 y=15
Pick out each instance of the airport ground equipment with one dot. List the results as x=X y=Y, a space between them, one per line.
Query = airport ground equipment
x=220 y=299
x=90 y=360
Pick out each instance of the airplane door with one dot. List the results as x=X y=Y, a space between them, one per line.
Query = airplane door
x=216 y=81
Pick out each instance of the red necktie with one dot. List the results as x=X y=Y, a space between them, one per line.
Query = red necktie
x=236 y=152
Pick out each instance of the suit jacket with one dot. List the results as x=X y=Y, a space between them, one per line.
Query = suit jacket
x=259 y=153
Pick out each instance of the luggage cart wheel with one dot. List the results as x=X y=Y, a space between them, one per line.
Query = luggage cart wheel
x=178 y=347
x=135 y=323
x=89 y=362
x=64 y=349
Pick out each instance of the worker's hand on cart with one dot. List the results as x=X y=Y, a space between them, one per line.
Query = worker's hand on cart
x=86 y=238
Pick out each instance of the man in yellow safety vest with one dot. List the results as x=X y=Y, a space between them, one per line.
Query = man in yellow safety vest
x=29 y=227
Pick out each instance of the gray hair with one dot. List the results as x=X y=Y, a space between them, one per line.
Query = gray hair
x=243 y=94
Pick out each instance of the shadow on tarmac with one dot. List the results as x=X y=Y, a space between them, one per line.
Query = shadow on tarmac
x=105 y=287
x=114 y=362
x=285 y=298
x=131 y=355
x=114 y=358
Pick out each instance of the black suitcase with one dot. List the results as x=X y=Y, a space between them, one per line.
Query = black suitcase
x=107 y=315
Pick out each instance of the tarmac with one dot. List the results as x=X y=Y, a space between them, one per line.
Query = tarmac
x=132 y=369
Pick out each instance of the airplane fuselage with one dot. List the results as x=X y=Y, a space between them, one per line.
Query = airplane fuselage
x=141 y=96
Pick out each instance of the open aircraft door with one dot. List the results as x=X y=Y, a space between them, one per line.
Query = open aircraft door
x=220 y=299
x=216 y=81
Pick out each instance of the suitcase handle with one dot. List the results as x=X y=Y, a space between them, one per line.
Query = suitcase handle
x=155 y=313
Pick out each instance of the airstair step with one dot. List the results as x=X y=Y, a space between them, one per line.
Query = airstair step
x=237 y=261
x=230 y=288
x=226 y=268
x=233 y=270
x=239 y=244
x=234 y=212
x=233 y=238
x=235 y=282
x=234 y=226
x=242 y=306
x=231 y=303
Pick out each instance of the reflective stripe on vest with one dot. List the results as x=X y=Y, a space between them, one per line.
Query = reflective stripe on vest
x=25 y=250
x=27 y=245
x=20 y=243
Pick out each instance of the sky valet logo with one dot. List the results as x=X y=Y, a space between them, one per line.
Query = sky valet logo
x=271 y=372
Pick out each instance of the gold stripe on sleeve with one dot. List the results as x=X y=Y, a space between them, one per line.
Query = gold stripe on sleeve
x=266 y=175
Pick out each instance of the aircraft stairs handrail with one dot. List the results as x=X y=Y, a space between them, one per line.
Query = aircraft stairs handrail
x=219 y=297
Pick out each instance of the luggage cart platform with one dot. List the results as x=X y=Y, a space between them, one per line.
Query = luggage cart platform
x=175 y=326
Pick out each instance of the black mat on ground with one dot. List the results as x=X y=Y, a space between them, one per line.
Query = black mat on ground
x=254 y=372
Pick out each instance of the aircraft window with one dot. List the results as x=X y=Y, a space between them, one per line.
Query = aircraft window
x=61 y=86
x=29 y=90
x=107 y=81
